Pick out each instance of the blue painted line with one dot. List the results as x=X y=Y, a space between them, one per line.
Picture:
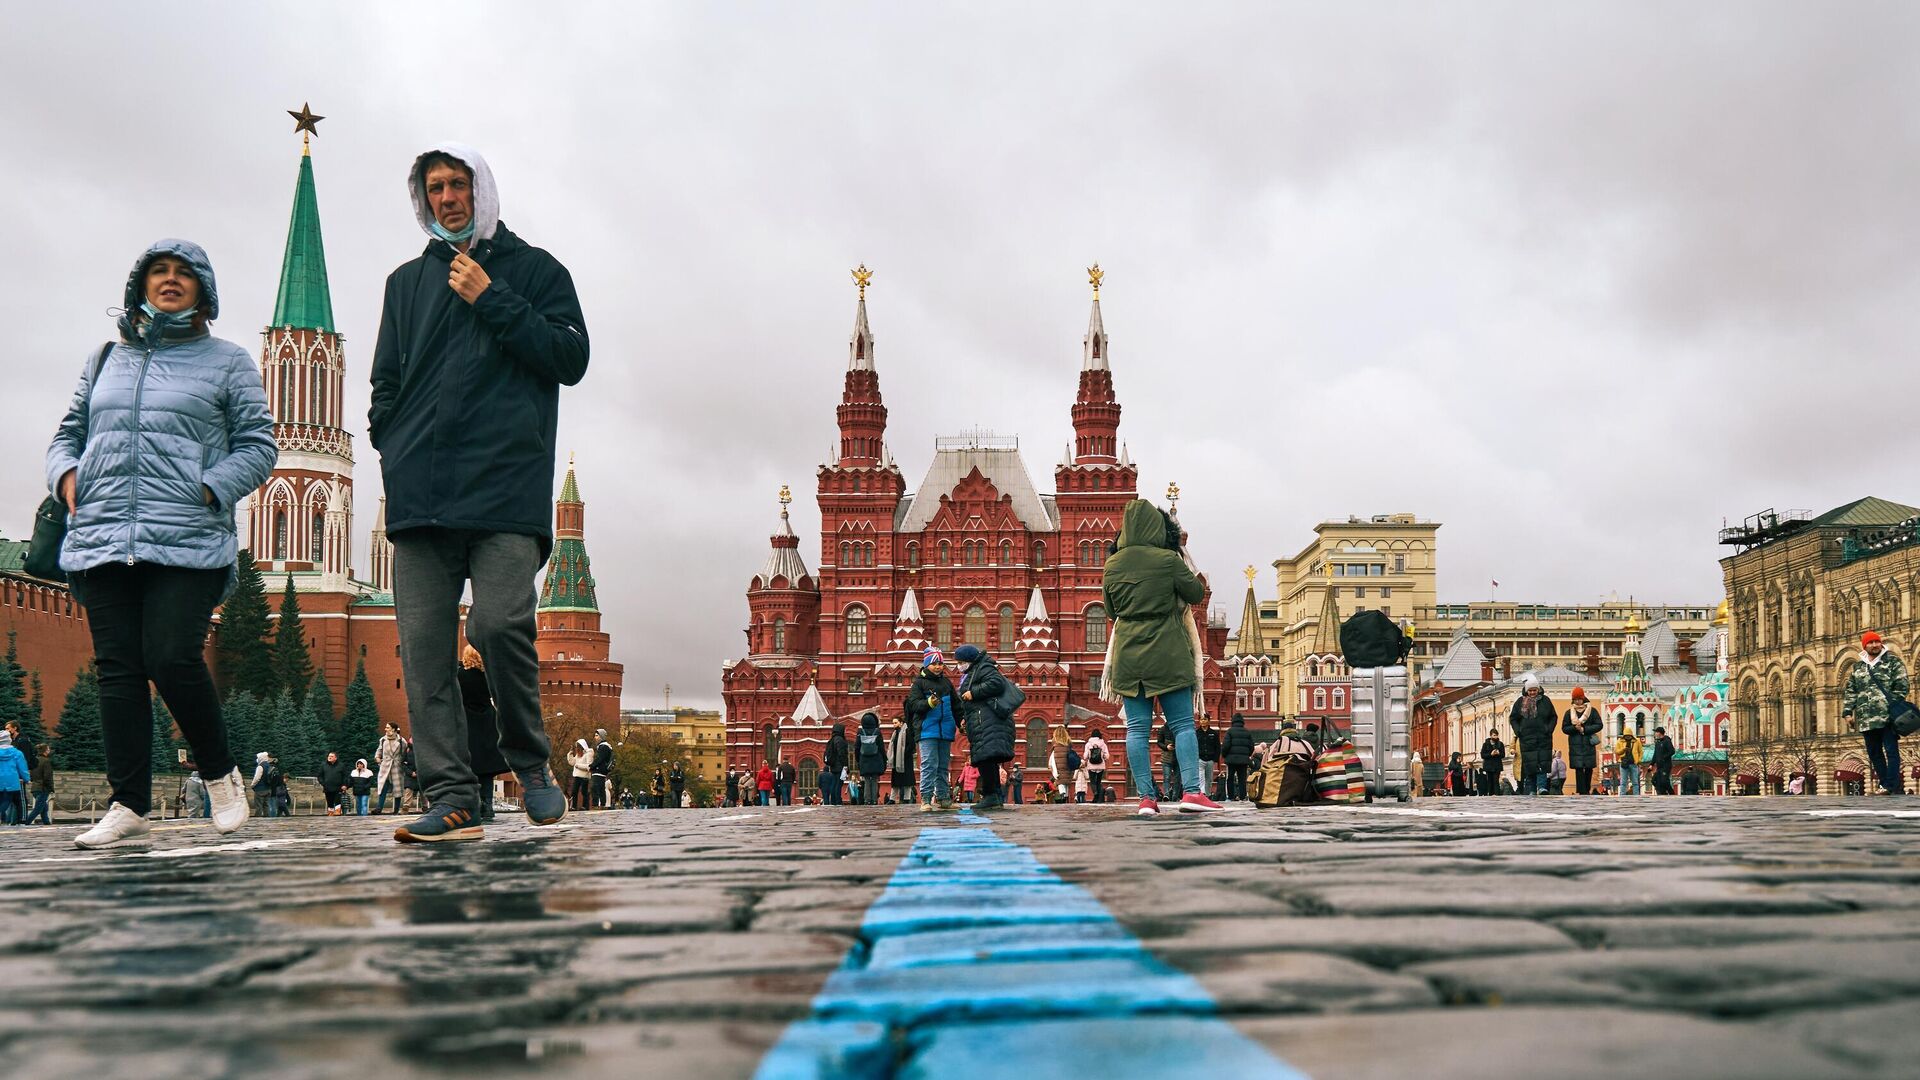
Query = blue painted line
x=976 y=960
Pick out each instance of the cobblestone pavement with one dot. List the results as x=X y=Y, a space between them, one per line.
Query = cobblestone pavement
x=1571 y=936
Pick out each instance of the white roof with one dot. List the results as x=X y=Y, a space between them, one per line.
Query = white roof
x=784 y=560
x=909 y=610
x=812 y=707
x=1001 y=465
x=1037 y=608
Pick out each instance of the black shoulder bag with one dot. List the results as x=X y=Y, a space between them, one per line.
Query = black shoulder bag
x=1901 y=713
x=50 y=521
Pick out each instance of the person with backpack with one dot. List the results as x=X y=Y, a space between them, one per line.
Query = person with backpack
x=1094 y=753
x=1662 y=762
x=14 y=778
x=1626 y=752
x=1209 y=742
x=360 y=780
x=869 y=757
x=1153 y=653
x=1236 y=750
x=987 y=704
x=602 y=771
x=167 y=430
x=930 y=710
x=834 y=765
x=1582 y=726
x=1875 y=682
x=266 y=776
x=1557 y=775
x=1533 y=719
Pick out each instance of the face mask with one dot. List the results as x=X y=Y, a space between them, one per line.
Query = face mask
x=461 y=237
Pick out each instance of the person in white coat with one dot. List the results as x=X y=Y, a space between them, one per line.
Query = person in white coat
x=580 y=761
x=390 y=758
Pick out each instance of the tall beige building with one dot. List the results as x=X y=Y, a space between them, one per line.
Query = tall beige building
x=1800 y=590
x=700 y=734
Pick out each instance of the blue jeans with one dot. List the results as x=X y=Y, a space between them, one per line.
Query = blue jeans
x=1629 y=779
x=360 y=804
x=1883 y=757
x=935 y=763
x=1170 y=774
x=1178 y=708
x=830 y=791
x=39 y=812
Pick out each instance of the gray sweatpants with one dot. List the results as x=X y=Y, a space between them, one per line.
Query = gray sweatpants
x=431 y=568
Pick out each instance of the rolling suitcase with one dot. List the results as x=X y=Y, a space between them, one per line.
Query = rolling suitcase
x=1381 y=733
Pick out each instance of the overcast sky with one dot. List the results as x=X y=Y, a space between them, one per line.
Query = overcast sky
x=1578 y=281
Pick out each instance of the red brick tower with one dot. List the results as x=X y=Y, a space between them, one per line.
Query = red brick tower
x=576 y=675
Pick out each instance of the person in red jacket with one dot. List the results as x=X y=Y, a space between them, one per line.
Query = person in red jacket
x=763 y=780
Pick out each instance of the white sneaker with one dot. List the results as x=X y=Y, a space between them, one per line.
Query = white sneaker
x=228 y=796
x=120 y=827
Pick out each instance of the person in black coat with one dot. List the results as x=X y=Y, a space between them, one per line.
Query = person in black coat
x=1662 y=762
x=1533 y=719
x=483 y=728
x=870 y=757
x=989 y=731
x=1493 y=763
x=1208 y=737
x=1457 y=777
x=1236 y=749
x=1582 y=726
x=836 y=760
x=332 y=776
x=676 y=783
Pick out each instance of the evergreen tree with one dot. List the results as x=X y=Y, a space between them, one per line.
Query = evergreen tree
x=360 y=727
x=166 y=746
x=13 y=686
x=299 y=746
x=244 y=659
x=82 y=746
x=292 y=664
x=245 y=737
x=320 y=710
x=35 y=725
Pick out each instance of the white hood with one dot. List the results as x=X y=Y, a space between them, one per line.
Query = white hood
x=486 y=197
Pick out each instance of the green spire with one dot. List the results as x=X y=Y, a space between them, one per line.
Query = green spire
x=304 y=301
x=570 y=490
x=569 y=584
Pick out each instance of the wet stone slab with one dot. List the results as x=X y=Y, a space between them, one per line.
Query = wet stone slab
x=1745 y=937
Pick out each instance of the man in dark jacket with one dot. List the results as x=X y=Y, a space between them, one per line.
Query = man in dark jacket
x=1582 y=726
x=1533 y=719
x=1209 y=740
x=1236 y=749
x=1662 y=762
x=788 y=775
x=333 y=782
x=477 y=335
x=835 y=760
x=676 y=783
x=1169 y=765
x=870 y=757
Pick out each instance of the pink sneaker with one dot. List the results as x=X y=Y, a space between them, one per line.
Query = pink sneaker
x=1148 y=808
x=1196 y=803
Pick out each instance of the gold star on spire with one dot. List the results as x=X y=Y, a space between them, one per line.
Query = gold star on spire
x=1094 y=274
x=862 y=277
x=306 y=124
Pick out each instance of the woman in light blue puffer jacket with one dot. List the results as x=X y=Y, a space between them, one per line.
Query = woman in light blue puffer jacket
x=151 y=458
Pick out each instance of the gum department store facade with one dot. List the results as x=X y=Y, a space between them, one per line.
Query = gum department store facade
x=975 y=554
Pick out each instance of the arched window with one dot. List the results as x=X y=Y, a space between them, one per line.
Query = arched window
x=1319 y=698
x=943 y=626
x=1037 y=742
x=285 y=415
x=1240 y=698
x=846 y=553
x=1039 y=553
x=1009 y=630
x=1086 y=553
x=856 y=629
x=320 y=395
x=1259 y=699
x=976 y=625
x=773 y=744
x=1006 y=553
x=779 y=634
x=1096 y=627
x=319 y=545
x=809 y=777
x=946 y=553
x=1339 y=698
x=1809 y=717
x=280 y=534
x=913 y=554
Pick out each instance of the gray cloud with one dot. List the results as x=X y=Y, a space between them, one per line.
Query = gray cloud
x=1577 y=280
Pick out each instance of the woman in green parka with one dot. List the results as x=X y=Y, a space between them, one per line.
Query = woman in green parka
x=1152 y=659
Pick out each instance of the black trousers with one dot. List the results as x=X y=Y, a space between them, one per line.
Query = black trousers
x=990 y=781
x=149 y=625
x=1236 y=781
x=1663 y=783
x=1583 y=780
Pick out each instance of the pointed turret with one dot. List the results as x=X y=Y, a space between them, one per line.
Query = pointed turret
x=784 y=599
x=304 y=301
x=382 y=553
x=862 y=413
x=1326 y=632
x=909 y=628
x=1250 y=642
x=569 y=585
x=1633 y=668
x=1096 y=411
x=1036 y=630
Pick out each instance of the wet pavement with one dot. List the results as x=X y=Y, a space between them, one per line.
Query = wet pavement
x=1577 y=937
